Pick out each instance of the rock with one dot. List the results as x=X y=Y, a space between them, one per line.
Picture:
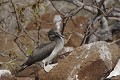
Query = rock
x=115 y=72
x=24 y=78
x=17 y=78
x=5 y=73
x=6 y=78
x=88 y=62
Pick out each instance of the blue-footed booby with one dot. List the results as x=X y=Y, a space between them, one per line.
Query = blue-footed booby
x=46 y=52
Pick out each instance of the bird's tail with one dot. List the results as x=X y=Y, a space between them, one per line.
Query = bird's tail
x=23 y=66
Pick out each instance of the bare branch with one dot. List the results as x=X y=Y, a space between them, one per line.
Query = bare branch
x=74 y=12
x=115 y=41
x=2 y=3
x=19 y=24
x=91 y=9
x=64 y=24
x=114 y=18
x=15 y=40
x=81 y=5
x=7 y=32
x=55 y=8
x=90 y=30
x=19 y=44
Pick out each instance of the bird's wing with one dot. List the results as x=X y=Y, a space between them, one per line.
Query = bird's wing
x=44 y=48
x=40 y=53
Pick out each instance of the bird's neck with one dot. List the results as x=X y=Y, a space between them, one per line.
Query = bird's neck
x=59 y=40
x=59 y=45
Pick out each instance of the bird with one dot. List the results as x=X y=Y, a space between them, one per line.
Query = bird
x=46 y=52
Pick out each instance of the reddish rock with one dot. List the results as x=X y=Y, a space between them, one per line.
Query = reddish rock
x=17 y=78
x=89 y=62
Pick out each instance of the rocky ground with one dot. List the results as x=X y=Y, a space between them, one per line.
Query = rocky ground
x=92 y=61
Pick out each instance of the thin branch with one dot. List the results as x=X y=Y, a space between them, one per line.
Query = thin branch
x=81 y=4
x=55 y=8
x=89 y=29
x=2 y=3
x=20 y=46
x=100 y=10
x=38 y=24
x=15 y=40
x=18 y=22
x=114 y=18
x=85 y=37
x=73 y=21
x=7 y=32
x=64 y=24
x=70 y=1
x=74 y=12
x=91 y=9
x=115 y=41
x=17 y=19
x=39 y=27
x=116 y=9
x=68 y=38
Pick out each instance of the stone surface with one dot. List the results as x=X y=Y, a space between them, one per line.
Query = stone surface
x=88 y=62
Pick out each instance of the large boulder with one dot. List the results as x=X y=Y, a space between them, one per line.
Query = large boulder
x=88 y=62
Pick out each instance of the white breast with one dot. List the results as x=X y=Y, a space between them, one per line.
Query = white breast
x=55 y=52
